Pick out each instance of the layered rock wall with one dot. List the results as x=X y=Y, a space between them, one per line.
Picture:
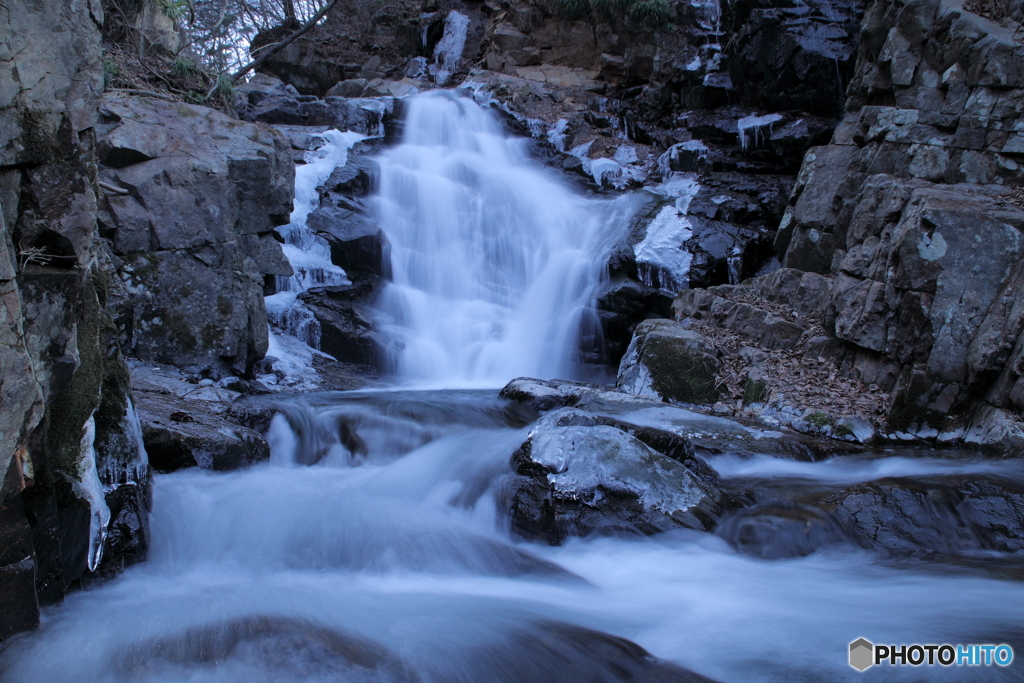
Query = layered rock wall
x=75 y=487
x=913 y=216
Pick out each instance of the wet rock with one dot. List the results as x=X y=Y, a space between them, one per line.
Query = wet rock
x=357 y=242
x=20 y=608
x=538 y=394
x=621 y=304
x=271 y=640
x=783 y=529
x=667 y=361
x=577 y=477
x=188 y=433
x=782 y=61
x=944 y=518
x=348 y=327
x=551 y=652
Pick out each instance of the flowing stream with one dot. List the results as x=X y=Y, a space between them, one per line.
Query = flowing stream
x=374 y=545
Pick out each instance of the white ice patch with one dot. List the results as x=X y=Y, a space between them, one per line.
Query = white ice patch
x=609 y=172
x=661 y=260
x=448 y=52
x=308 y=253
x=89 y=488
x=751 y=128
x=557 y=136
x=625 y=154
x=293 y=358
x=694 y=148
x=633 y=377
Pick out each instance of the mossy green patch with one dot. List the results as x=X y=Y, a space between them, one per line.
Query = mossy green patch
x=66 y=416
x=819 y=419
x=679 y=373
x=754 y=391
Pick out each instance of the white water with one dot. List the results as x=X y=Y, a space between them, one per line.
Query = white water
x=409 y=551
x=392 y=541
x=495 y=261
x=851 y=470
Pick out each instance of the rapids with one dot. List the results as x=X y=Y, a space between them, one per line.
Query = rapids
x=374 y=545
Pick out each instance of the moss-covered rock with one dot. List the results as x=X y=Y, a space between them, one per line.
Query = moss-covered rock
x=666 y=360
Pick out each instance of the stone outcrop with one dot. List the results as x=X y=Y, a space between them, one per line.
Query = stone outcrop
x=191 y=200
x=268 y=100
x=904 y=232
x=75 y=486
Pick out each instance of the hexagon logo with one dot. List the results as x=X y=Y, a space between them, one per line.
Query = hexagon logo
x=862 y=654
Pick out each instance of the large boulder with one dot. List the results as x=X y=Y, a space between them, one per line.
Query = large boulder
x=667 y=361
x=192 y=200
x=182 y=433
x=348 y=324
x=577 y=476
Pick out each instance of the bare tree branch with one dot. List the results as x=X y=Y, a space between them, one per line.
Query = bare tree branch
x=256 y=63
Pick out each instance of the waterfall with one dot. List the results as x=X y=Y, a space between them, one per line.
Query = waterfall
x=495 y=260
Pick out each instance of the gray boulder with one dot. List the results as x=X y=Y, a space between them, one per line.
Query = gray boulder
x=182 y=433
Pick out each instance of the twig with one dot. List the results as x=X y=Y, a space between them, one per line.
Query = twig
x=144 y=93
x=113 y=188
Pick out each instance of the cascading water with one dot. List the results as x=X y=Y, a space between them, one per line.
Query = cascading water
x=495 y=261
x=373 y=546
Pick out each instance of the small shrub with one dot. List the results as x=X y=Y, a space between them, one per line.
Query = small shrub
x=573 y=9
x=819 y=419
x=111 y=73
x=173 y=9
x=184 y=67
x=226 y=88
x=650 y=12
x=842 y=430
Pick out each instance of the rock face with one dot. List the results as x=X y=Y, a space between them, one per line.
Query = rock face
x=579 y=475
x=75 y=488
x=194 y=201
x=268 y=100
x=911 y=218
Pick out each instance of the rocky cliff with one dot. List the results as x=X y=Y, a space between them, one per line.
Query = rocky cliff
x=76 y=484
x=132 y=226
x=913 y=216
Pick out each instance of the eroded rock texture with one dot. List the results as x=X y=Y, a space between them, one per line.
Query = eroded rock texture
x=76 y=484
x=191 y=201
x=911 y=218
